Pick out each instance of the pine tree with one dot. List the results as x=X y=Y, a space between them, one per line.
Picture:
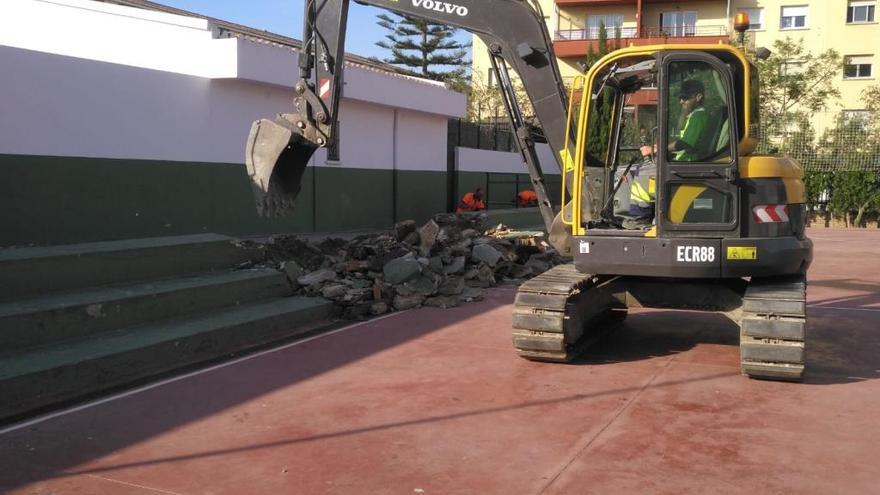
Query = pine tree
x=604 y=45
x=599 y=122
x=418 y=47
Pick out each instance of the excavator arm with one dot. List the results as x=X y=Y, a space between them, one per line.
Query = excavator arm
x=278 y=150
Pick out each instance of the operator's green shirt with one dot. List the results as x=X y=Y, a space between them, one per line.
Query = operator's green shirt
x=693 y=128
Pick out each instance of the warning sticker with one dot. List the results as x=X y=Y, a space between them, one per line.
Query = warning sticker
x=584 y=247
x=567 y=161
x=742 y=253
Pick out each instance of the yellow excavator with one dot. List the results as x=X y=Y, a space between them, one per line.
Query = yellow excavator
x=666 y=203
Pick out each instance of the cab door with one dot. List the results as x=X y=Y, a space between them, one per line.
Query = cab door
x=698 y=193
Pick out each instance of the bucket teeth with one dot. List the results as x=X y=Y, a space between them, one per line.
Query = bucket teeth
x=276 y=156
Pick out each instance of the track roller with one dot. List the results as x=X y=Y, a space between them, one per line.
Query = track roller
x=561 y=312
x=773 y=328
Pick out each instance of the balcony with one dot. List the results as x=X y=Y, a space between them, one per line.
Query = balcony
x=591 y=3
x=593 y=34
x=576 y=42
x=596 y=3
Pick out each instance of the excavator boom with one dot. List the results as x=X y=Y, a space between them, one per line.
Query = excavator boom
x=278 y=150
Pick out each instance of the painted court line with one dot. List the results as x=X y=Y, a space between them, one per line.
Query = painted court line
x=151 y=386
x=843 y=308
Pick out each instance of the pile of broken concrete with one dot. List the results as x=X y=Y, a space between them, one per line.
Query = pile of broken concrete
x=447 y=261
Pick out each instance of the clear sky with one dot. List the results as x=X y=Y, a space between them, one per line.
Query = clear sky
x=285 y=17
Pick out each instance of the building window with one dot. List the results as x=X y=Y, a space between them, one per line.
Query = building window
x=756 y=19
x=558 y=16
x=611 y=22
x=860 y=11
x=678 y=23
x=858 y=118
x=857 y=67
x=794 y=17
x=791 y=67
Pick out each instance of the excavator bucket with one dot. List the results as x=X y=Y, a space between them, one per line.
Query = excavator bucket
x=276 y=156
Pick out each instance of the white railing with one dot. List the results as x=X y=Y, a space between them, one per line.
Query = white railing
x=593 y=33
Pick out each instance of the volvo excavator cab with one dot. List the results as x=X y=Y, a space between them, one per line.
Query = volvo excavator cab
x=666 y=204
x=697 y=120
x=680 y=113
x=665 y=160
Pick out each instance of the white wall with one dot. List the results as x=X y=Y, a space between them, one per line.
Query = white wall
x=130 y=83
x=185 y=45
x=89 y=79
x=62 y=106
x=473 y=160
x=415 y=133
x=367 y=136
x=113 y=33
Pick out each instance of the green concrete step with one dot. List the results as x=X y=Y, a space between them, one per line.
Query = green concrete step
x=71 y=370
x=58 y=317
x=40 y=270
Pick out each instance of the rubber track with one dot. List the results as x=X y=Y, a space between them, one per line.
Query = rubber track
x=773 y=328
x=561 y=312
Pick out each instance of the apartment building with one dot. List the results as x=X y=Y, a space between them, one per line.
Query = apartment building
x=848 y=26
x=574 y=27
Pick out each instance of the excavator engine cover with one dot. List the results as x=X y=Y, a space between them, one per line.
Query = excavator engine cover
x=276 y=156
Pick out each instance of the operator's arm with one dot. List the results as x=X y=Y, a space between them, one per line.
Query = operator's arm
x=693 y=128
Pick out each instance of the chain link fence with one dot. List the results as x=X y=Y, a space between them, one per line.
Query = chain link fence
x=826 y=141
x=840 y=154
x=495 y=136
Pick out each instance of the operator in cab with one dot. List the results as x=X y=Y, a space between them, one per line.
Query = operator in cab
x=693 y=122
x=642 y=191
x=684 y=148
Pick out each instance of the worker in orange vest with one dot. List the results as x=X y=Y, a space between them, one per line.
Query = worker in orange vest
x=472 y=201
x=527 y=198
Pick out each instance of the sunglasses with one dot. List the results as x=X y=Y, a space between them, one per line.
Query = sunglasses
x=685 y=98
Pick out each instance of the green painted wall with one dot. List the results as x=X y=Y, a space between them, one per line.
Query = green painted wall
x=420 y=195
x=501 y=189
x=352 y=199
x=62 y=200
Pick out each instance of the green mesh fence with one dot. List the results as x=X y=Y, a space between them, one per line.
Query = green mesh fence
x=840 y=153
x=827 y=142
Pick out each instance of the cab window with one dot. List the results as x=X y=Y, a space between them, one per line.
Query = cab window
x=698 y=120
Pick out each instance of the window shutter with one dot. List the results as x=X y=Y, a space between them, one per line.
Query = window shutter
x=800 y=10
x=859 y=59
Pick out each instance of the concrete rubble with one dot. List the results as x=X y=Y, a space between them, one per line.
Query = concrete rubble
x=446 y=262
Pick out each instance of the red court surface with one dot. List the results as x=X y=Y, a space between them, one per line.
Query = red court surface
x=436 y=401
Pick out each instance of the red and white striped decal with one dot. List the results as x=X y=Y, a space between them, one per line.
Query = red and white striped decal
x=770 y=213
x=325 y=89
